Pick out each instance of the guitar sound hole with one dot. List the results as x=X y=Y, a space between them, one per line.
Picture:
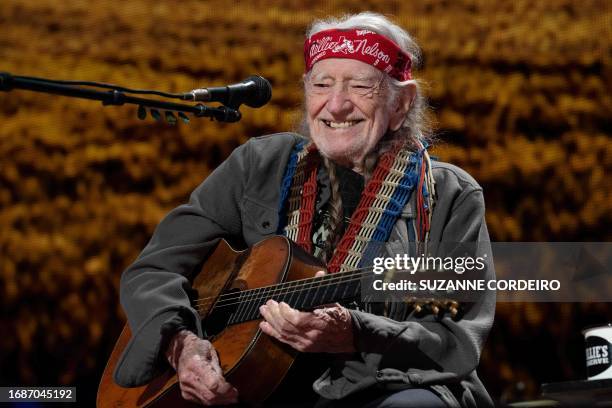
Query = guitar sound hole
x=218 y=319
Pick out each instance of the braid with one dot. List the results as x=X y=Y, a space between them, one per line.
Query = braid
x=336 y=212
x=369 y=164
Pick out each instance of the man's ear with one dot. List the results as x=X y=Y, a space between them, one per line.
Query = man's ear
x=405 y=99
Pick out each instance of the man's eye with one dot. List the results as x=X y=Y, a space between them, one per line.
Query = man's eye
x=321 y=85
x=363 y=89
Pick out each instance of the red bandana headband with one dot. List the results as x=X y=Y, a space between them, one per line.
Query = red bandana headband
x=361 y=45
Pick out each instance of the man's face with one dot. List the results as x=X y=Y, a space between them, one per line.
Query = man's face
x=347 y=110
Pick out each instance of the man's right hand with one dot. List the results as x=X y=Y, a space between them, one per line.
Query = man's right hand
x=197 y=366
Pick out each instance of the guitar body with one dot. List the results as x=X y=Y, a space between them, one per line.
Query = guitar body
x=252 y=361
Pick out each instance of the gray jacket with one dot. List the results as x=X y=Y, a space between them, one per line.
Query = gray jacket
x=239 y=202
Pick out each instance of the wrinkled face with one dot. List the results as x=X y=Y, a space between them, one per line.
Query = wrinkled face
x=347 y=109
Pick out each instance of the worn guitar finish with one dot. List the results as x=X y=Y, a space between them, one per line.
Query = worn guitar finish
x=252 y=361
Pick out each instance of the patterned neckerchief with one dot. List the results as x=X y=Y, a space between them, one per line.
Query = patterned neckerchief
x=398 y=173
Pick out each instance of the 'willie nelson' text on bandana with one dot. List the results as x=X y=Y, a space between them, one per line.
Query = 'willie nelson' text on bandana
x=362 y=45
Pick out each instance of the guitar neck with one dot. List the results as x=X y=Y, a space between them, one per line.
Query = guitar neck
x=304 y=294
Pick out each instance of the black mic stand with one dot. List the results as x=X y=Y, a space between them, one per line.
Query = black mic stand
x=9 y=82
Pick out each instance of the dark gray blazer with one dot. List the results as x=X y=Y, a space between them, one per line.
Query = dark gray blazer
x=239 y=201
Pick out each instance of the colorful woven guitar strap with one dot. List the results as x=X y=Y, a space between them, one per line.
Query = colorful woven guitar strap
x=397 y=173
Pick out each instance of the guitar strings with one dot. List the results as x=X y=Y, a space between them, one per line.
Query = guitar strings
x=250 y=302
x=271 y=294
x=285 y=288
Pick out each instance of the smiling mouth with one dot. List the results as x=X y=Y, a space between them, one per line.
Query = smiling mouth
x=340 y=125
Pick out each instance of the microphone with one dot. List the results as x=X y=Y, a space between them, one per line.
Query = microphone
x=255 y=91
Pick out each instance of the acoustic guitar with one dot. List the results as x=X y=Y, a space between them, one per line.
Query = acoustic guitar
x=231 y=286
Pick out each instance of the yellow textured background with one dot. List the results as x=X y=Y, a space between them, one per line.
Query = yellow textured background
x=520 y=90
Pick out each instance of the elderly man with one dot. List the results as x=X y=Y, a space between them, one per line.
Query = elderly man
x=360 y=174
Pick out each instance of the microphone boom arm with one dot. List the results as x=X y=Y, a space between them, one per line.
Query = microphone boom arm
x=9 y=82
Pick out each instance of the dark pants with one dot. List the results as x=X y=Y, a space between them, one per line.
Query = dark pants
x=296 y=391
x=410 y=398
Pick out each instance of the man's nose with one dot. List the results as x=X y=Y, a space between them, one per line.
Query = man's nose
x=339 y=102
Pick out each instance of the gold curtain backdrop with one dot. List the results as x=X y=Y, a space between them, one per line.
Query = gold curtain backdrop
x=520 y=91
